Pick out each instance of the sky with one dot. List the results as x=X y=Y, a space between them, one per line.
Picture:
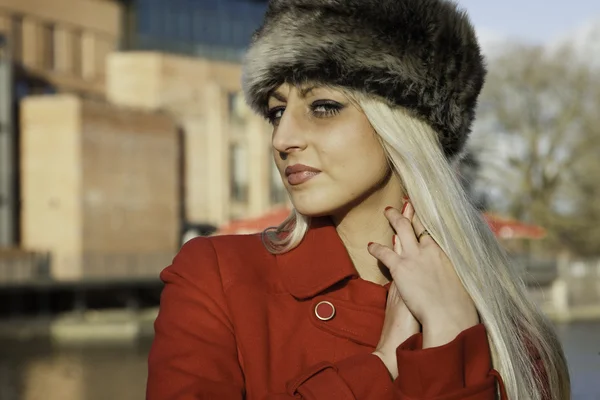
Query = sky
x=537 y=21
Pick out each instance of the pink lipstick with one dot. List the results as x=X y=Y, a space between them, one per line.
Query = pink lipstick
x=298 y=173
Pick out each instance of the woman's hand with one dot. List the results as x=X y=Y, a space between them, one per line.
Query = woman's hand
x=426 y=280
x=399 y=324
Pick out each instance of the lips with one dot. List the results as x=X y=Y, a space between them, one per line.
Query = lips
x=299 y=173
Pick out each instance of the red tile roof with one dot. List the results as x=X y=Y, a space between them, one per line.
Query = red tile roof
x=505 y=228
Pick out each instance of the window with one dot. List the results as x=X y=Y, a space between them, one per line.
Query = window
x=237 y=108
x=214 y=28
x=278 y=192
x=238 y=162
x=48 y=49
x=16 y=38
x=77 y=52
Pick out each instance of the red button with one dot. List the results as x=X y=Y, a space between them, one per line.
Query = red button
x=324 y=311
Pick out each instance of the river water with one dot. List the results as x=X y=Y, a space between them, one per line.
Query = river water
x=39 y=371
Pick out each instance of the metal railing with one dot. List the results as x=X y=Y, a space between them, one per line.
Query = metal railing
x=20 y=268
x=123 y=266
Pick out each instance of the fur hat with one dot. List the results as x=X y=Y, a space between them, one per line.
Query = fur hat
x=422 y=55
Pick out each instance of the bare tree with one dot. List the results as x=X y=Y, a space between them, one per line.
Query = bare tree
x=468 y=171
x=538 y=137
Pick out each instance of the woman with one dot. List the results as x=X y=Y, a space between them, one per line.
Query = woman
x=360 y=293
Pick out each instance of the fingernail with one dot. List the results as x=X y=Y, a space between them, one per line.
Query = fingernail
x=369 y=245
x=388 y=208
x=393 y=240
x=404 y=207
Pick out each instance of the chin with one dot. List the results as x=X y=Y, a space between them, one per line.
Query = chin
x=312 y=207
x=310 y=210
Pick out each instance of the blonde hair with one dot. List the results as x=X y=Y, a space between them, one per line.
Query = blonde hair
x=516 y=328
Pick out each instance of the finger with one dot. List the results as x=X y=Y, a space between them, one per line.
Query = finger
x=414 y=218
x=397 y=245
x=417 y=224
x=409 y=210
x=387 y=256
x=404 y=229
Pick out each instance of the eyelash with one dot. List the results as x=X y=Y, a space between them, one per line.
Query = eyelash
x=331 y=108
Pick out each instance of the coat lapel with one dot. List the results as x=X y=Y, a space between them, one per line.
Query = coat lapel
x=318 y=263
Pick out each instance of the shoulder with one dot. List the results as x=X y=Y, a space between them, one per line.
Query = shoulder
x=226 y=249
x=228 y=258
x=217 y=246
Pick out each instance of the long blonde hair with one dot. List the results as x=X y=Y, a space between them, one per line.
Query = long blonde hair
x=516 y=328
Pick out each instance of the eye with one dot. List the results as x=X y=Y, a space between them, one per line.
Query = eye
x=274 y=115
x=325 y=108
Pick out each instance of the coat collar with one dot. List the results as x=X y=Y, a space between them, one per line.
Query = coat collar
x=319 y=262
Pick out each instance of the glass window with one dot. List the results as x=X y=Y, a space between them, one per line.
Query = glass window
x=199 y=27
x=278 y=192
x=16 y=38
x=239 y=173
x=237 y=108
x=48 y=43
x=76 y=52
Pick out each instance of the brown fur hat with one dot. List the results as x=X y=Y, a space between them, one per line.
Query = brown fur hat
x=419 y=54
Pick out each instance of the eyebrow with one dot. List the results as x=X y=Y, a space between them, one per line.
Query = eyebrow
x=303 y=93
x=278 y=96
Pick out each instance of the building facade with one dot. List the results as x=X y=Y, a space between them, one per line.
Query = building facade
x=209 y=29
x=62 y=43
x=89 y=118
x=229 y=172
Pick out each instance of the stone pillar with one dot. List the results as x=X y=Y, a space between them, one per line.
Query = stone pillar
x=63 y=50
x=31 y=53
x=51 y=209
x=217 y=154
x=259 y=166
x=196 y=168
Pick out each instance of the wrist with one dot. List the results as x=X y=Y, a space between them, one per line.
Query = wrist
x=444 y=331
x=390 y=363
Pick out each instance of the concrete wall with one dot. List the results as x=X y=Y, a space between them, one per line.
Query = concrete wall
x=100 y=186
x=154 y=80
x=64 y=42
x=130 y=180
x=204 y=97
x=51 y=181
x=94 y=15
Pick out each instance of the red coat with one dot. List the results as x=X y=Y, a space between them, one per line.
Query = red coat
x=236 y=322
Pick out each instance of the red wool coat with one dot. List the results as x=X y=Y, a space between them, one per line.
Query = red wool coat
x=236 y=322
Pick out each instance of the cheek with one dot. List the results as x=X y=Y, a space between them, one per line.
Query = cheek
x=360 y=153
x=367 y=166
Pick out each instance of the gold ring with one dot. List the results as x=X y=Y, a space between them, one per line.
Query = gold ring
x=425 y=232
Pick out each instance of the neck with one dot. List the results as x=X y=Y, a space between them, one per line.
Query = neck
x=364 y=223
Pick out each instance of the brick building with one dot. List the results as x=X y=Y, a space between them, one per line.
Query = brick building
x=130 y=127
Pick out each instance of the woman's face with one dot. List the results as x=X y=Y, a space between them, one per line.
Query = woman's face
x=332 y=159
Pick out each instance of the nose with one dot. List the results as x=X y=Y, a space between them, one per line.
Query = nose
x=288 y=135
